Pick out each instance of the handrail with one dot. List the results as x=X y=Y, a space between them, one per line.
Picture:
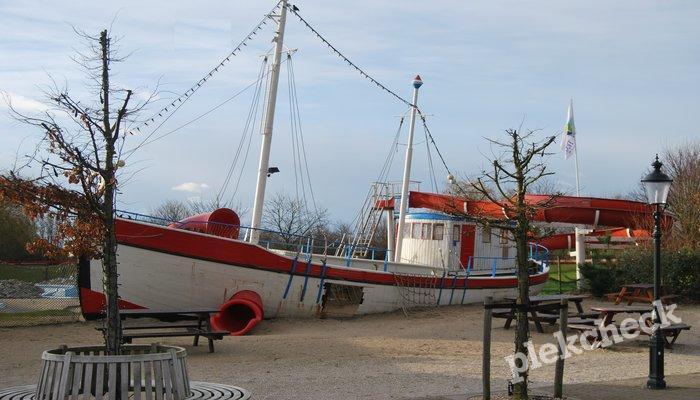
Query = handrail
x=304 y=243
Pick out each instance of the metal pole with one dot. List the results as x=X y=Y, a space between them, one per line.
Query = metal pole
x=656 y=343
x=559 y=367
x=417 y=82
x=559 y=272
x=267 y=128
x=486 y=355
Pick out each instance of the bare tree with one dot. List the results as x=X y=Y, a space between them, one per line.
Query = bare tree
x=172 y=210
x=291 y=219
x=80 y=148
x=176 y=210
x=516 y=167
x=683 y=164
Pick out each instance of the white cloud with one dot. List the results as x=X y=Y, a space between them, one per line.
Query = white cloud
x=23 y=104
x=192 y=187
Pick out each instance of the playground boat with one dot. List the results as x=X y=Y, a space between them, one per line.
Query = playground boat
x=435 y=255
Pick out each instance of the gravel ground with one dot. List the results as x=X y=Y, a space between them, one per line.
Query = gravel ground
x=431 y=353
x=16 y=289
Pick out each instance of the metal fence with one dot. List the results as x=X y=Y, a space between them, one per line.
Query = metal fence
x=33 y=294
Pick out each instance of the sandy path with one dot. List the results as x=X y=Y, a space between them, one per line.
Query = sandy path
x=432 y=352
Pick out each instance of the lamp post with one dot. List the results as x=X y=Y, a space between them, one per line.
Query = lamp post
x=657 y=185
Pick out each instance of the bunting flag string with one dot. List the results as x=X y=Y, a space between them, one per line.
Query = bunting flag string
x=184 y=97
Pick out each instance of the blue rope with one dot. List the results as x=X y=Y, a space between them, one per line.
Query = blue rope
x=452 y=293
x=466 y=282
x=291 y=276
x=306 y=279
x=320 y=284
x=442 y=285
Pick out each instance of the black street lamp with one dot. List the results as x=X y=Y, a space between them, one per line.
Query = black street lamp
x=657 y=185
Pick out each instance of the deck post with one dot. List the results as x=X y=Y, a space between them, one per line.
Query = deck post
x=559 y=368
x=486 y=355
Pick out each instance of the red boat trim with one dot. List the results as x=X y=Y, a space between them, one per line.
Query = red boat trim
x=242 y=254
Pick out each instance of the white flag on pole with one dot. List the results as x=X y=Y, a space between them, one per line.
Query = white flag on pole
x=568 y=140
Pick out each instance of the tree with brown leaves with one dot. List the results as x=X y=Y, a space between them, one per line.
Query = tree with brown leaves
x=77 y=162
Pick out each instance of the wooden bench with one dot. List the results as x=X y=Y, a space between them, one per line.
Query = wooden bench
x=171 y=325
x=671 y=332
x=211 y=335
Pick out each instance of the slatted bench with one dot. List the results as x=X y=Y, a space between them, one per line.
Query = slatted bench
x=211 y=335
x=171 y=325
x=671 y=332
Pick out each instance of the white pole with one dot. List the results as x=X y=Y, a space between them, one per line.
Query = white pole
x=417 y=82
x=267 y=127
x=390 y=235
x=578 y=234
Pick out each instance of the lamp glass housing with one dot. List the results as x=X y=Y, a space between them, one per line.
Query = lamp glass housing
x=657 y=192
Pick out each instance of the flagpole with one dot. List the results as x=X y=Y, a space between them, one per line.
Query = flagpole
x=578 y=184
x=579 y=236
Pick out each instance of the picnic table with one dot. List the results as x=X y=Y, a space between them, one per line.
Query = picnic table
x=543 y=308
x=607 y=313
x=197 y=324
x=606 y=320
x=642 y=292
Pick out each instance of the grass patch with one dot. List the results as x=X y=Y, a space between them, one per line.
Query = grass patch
x=37 y=314
x=568 y=279
x=37 y=273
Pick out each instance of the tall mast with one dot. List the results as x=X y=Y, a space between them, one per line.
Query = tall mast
x=417 y=82
x=267 y=127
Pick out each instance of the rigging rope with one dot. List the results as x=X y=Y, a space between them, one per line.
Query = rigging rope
x=195 y=119
x=431 y=168
x=184 y=97
x=432 y=140
x=295 y=11
x=252 y=113
x=300 y=133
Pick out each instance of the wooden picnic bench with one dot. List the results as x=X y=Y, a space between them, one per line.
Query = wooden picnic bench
x=542 y=309
x=606 y=319
x=640 y=292
x=171 y=325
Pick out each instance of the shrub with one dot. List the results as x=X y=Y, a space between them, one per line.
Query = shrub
x=680 y=271
x=600 y=279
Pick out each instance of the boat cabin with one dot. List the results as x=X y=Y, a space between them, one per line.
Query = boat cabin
x=454 y=243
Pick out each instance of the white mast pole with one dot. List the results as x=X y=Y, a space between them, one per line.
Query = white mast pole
x=267 y=127
x=417 y=82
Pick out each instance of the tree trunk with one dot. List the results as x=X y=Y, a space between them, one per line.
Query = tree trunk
x=109 y=282
x=522 y=329
x=109 y=248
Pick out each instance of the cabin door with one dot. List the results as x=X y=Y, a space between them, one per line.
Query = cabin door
x=467 y=241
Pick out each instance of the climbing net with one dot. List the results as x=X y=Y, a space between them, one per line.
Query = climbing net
x=415 y=291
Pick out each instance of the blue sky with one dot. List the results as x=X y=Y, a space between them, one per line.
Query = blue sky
x=630 y=66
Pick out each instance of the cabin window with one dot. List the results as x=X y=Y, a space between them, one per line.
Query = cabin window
x=456 y=233
x=503 y=239
x=438 y=231
x=407 y=230
x=425 y=231
x=415 y=232
x=486 y=234
x=504 y=252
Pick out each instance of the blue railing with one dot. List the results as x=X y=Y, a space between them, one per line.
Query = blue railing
x=270 y=239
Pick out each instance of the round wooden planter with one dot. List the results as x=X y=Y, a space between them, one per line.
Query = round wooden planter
x=152 y=372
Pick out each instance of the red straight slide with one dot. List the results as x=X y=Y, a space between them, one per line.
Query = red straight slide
x=628 y=217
